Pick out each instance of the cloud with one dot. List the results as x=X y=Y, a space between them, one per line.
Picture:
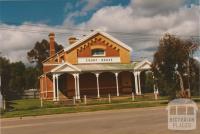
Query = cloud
x=125 y=19
x=156 y=7
x=83 y=8
x=16 y=41
x=91 y=4
x=145 y=21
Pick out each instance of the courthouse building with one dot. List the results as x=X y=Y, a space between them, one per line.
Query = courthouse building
x=96 y=65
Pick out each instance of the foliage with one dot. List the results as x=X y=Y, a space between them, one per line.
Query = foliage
x=5 y=75
x=16 y=81
x=15 y=78
x=146 y=81
x=31 y=74
x=195 y=77
x=40 y=52
x=171 y=65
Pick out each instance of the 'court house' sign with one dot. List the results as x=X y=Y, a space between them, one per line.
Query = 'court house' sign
x=99 y=60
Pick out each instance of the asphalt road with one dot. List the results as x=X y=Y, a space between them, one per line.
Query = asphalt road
x=128 y=121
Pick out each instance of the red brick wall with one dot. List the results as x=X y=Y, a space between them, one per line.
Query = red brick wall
x=86 y=52
x=46 y=87
x=88 y=84
x=126 y=82
x=66 y=85
x=110 y=52
x=47 y=68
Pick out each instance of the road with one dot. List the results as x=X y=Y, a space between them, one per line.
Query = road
x=127 y=121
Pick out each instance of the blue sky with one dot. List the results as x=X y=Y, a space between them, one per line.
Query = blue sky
x=138 y=23
x=51 y=12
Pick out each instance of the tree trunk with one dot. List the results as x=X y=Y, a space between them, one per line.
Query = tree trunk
x=182 y=93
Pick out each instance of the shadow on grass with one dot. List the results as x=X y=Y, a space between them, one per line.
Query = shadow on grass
x=9 y=105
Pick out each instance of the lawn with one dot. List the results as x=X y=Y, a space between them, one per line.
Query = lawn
x=31 y=107
x=29 y=111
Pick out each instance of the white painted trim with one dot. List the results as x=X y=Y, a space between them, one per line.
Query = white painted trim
x=136 y=83
x=116 y=40
x=78 y=87
x=50 y=64
x=102 y=33
x=65 y=63
x=97 y=78
x=47 y=92
x=54 y=88
x=138 y=65
x=75 y=86
x=57 y=87
x=89 y=60
x=117 y=83
x=139 y=84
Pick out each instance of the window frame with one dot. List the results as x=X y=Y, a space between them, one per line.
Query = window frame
x=98 y=55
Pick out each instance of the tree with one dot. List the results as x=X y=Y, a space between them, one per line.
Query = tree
x=195 y=77
x=40 y=52
x=5 y=75
x=172 y=65
x=17 y=80
x=31 y=78
x=146 y=78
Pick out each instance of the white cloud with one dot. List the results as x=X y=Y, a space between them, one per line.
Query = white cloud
x=16 y=41
x=147 y=20
x=156 y=7
x=91 y=4
x=88 y=5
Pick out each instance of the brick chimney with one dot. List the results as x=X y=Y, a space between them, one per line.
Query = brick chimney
x=52 y=44
x=72 y=40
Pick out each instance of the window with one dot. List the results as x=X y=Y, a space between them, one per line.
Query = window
x=98 y=52
x=62 y=59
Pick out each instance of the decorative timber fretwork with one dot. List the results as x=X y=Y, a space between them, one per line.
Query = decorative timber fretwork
x=98 y=42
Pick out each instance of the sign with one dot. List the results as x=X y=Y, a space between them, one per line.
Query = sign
x=99 y=60
x=182 y=114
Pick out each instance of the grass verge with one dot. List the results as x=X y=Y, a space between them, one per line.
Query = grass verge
x=31 y=107
x=75 y=109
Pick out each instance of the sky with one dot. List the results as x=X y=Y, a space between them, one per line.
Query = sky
x=138 y=23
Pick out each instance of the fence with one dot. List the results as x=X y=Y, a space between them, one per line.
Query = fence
x=31 y=94
x=107 y=99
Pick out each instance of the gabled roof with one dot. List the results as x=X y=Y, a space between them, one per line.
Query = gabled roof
x=89 y=36
x=53 y=56
x=67 y=67
x=63 y=66
x=145 y=64
x=102 y=33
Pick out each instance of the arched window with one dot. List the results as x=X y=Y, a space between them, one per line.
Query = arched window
x=98 y=52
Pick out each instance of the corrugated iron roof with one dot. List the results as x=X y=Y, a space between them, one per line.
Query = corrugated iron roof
x=105 y=67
